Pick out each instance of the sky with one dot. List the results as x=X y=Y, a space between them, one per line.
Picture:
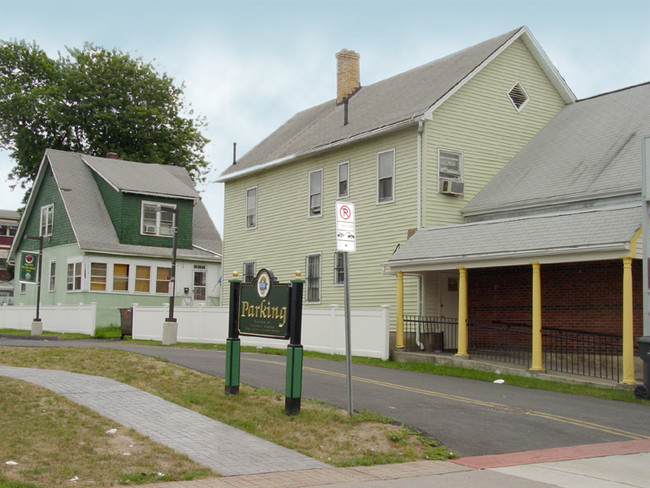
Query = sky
x=250 y=65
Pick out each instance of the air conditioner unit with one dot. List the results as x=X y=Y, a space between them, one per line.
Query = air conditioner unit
x=149 y=229
x=451 y=187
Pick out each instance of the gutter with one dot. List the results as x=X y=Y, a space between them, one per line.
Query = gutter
x=319 y=149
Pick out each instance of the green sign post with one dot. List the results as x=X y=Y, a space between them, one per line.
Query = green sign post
x=266 y=308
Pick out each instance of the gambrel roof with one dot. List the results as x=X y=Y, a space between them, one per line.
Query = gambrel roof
x=89 y=218
x=387 y=105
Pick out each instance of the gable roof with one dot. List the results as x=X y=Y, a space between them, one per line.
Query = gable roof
x=594 y=234
x=391 y=104
x=590 y=149
x=89 y=218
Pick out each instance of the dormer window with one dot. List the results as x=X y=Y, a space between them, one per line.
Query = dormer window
x=518 y=96
x=157 y=219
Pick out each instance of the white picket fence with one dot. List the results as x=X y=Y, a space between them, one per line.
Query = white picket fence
x=56 y=318
x=323 y=330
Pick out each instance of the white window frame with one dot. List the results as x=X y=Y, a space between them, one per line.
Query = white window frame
x=47 y=220
x=449 y=175
x=252 y=214
x=76 y=266
x=160 y=282
x=137 y=280
x=392 y=177
x=309 y=278
x=155 y=228
x=51 y=286
x=339 y=180
x=93 y=277
x=311 y=208
x=130 y=267
x=521 y=86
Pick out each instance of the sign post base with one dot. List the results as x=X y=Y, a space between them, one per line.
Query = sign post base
x=37 y=327
x=170 y=332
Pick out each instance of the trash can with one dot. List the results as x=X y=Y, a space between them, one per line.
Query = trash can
x=643 y=391
x=126 y=319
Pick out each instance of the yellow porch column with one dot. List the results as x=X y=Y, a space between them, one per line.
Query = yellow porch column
x=537 y=319
x=628 y=324
x=399 y=333
x=462 y=312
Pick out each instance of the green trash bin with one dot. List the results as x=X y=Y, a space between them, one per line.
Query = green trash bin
x=126 y=320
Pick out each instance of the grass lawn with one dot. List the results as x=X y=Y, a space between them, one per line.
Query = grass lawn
x=53 y=440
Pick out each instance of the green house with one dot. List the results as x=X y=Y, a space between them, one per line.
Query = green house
x=409 y=151
x=107 y=227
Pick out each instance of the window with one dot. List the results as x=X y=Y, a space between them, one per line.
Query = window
x=313 y=278
x=98 y=276
x=23 y=288
x=47 y=220
x=200 y=275
x=339 y=270
x=157 y=219
x=74 y=276
x=120 y=277
x=52 y=283
x=450 y=164
x=249 y=271
x=315 y=192
x=163 y=277
x=385 y=176
x=142 y=279
x=518 y=96
x=344 y=176
x=251 y=208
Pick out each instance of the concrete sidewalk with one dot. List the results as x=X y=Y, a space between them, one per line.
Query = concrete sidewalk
x=247 y=461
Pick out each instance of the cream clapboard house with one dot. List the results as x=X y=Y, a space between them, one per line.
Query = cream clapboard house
x=409 y=151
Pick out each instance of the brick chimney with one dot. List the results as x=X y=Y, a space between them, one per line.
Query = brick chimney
x=347 y=75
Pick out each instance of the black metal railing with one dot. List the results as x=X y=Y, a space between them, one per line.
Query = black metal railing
x=570 y=351
x=433 y=333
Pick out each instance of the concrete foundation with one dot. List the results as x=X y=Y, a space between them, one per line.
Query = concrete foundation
x=37 y=327
x=170 y=333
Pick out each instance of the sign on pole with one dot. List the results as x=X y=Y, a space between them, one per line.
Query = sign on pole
x=346 y=238
x=28 y=267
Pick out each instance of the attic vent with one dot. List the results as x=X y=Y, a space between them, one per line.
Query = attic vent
x=518 y=96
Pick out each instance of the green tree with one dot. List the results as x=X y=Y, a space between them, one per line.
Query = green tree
x=93 y=101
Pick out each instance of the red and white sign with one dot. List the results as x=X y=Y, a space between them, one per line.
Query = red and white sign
x=346 y=239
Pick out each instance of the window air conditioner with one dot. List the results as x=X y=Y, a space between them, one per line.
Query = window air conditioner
x=451 y=187
x=149 y=229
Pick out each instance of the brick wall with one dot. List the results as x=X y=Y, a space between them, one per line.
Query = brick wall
x=585 y=296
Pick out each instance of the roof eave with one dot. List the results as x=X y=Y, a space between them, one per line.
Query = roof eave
x=414 y=120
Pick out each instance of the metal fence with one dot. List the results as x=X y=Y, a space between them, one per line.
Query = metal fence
x=577 y=352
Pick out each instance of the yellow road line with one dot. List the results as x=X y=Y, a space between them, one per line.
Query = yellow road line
x=472 y=401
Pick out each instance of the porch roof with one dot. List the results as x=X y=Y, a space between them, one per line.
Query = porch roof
x=586 y=235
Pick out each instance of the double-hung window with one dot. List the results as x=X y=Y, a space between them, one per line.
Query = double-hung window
x=344 y=178
x=74 y=276
x=251 y=208
x=52 y=283
x=450 y=164
x=47 y=220
x=157 y=219
x=120 y=277
x=386 y=176
x=339 y=270
x=142 y=279
x=97 y=276
x=313 y=278
x=315 y=193
x=249 y=271
x=163 y=279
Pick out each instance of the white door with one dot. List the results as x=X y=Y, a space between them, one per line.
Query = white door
x=448 y=294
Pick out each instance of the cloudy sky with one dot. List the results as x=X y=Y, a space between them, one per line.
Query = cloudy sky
x=249 y=65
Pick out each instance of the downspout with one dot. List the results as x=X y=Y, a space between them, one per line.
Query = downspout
x=419 y=221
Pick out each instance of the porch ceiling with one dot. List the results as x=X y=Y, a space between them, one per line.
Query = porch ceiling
x=586 y=235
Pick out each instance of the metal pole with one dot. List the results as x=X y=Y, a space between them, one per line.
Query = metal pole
x=348 y=347
x=39 y=274
x=173 y=269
